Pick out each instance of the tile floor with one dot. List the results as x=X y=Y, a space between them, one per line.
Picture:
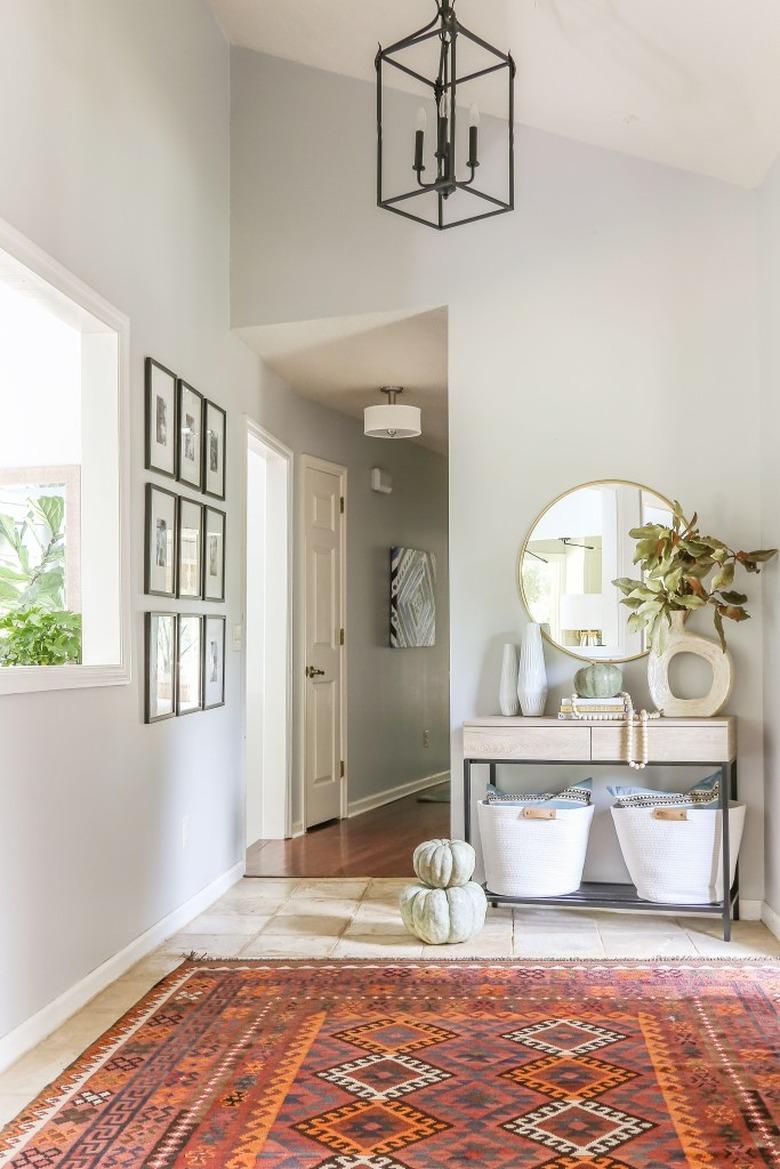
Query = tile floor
x=300 y=918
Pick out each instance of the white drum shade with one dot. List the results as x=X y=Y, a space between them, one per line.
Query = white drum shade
x=392 y=421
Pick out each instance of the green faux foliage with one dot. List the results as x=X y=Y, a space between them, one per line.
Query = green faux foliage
x=40 y=637
x=43 y=583
x=676 y=563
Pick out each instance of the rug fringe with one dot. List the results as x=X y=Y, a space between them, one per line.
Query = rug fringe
x=666 y=960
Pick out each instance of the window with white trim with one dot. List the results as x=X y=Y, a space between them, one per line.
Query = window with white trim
x=63 y=594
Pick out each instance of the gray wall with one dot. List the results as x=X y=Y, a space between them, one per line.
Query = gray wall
x=769 y=252
x=608 y=328
x=114 y=119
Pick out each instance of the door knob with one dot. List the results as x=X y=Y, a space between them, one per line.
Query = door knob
x=313 y=672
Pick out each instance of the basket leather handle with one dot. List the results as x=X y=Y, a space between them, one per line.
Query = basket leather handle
x=539 y=813
x=670 y=813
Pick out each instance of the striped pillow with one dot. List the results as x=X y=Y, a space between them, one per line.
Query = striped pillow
x=577 y=796
x=704 y=794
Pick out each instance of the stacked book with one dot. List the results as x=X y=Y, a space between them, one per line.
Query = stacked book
x=601 y=709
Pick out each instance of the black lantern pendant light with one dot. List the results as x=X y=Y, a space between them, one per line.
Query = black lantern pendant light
x=444 y=176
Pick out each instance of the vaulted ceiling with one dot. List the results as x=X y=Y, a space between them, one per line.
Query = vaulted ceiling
x=690 y=83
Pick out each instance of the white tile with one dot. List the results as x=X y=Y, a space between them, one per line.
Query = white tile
x=210 y=945
x=308 y=925
x=11 y=1104
x=376 y=946
x=649 y=945
x=743 y=945
x=552 y=944
x=288 y=946
x=326 y=889
x=389 y=927
x=226 y=923
x=481 y=946
x=312 y=907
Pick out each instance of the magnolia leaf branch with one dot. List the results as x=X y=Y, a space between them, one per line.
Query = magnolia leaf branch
x=676 y=563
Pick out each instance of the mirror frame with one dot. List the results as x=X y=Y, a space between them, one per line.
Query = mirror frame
x=524 y=547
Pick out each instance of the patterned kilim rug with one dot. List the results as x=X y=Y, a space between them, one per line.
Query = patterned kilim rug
x=297 y=1065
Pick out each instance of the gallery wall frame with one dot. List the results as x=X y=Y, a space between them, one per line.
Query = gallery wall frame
x=161 y=543
x=161 y=426
x=160 y=634
x=189 y=453
x=214 y=449
x=189 y=663
x=213 y=684
x=214 y=546
x=189 y=550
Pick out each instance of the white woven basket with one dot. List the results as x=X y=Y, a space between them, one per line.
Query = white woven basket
x=529 y=857
x=678 y=860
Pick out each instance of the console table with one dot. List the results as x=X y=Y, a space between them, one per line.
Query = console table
x=705 y=742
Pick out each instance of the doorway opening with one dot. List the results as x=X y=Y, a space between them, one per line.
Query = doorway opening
x=371 y=738
x=268 y=630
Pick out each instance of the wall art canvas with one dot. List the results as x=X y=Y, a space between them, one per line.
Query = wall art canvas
x=412 y=598
x=160 y=419
x=214 y=555
x=214 y=451
x=161 y=515
x=213 y=662
x=189 y=690
x=190 y=467
x=160 y=666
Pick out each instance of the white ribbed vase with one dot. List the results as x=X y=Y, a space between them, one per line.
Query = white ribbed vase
x=508 y=702
x=531 y=674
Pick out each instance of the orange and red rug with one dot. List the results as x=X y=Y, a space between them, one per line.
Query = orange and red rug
x=295 y=1065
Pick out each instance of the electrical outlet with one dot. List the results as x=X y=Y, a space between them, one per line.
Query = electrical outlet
x=426 y=738
x=185 y=830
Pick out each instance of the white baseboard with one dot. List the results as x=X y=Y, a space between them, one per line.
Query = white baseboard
x=749 y=910
x=771 y=919
x=358 y=807
x=53 y=1015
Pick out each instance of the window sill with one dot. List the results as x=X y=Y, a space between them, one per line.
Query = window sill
x=29 y=679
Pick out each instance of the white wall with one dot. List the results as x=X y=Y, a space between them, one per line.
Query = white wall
x=605 y=329
x=769 y=252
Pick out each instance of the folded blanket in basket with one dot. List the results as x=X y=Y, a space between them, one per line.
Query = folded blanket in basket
x=576 y=796
x=704 y=794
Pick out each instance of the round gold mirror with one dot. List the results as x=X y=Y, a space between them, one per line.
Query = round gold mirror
x=574 y=550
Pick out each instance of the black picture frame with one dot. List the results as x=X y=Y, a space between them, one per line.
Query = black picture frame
x=149 y=624
x=208 y=619
x=206 y=553
x=196 y=481
x=151 y=490
x=151 y=420
x=208 y=407
x=181 y=620
x=181 y=575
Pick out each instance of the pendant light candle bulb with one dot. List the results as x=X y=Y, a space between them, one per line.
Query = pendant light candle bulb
x=422 y=119
x=473 y=159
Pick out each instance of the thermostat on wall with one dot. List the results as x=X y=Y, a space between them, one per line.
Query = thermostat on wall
x=381 y=481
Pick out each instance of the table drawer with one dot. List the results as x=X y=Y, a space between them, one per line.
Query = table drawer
x=667 y=743
x=518 y=742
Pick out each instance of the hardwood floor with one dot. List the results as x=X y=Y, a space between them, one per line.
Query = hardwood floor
x=379 y=843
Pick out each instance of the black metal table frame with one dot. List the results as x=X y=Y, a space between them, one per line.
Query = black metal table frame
x=608 y=895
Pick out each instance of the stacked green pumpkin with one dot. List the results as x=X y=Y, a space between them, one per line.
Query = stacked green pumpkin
x=445 y=905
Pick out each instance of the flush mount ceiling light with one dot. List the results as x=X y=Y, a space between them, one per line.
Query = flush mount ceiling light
x=392 y=420
x=432 y=56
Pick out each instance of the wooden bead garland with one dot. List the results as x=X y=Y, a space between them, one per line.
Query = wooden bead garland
x=633 y=721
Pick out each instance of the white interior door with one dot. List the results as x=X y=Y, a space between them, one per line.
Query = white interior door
x=323 y=495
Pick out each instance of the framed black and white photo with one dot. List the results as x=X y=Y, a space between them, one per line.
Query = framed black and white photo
x=160 y=439
x=189 y=688
x=214 y=430
x=160 y=658
x=190 y=544
x=190 y=464
x=160 y=539
x=213 y=554
x=213 y=662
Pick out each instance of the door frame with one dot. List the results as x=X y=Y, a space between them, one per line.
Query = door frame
x=315 y=463
x=252 y=429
